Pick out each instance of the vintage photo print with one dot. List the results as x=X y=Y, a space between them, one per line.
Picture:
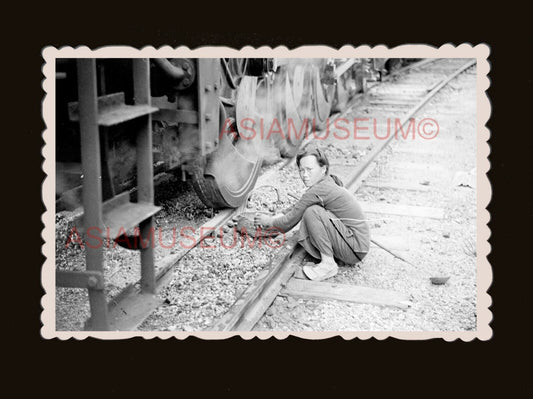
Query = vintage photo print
x=266 y=192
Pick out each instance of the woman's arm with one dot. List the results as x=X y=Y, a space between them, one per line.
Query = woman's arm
x=286 y=222
x=288 y=219
x=316 y=195
x=261 y=219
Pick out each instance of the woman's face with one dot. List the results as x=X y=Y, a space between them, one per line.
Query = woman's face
x=310 y=171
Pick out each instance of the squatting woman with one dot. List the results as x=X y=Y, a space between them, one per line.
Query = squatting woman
x=333 y=227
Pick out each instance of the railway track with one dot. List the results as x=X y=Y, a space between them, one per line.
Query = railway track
x=130 y=308
x=255 y=301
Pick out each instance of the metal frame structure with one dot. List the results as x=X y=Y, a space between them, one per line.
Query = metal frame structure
x=117 y=214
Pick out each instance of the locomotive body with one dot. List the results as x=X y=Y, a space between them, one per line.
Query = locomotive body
x=216 y=120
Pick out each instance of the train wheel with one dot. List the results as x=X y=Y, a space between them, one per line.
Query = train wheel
x=322 y=99
x=225 y=177
x=274 y=113
x=360 y=85
x=295 y=110
x=343 y=88
x=393 y=64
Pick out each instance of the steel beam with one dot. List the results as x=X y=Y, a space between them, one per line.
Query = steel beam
x=74 y=279
x=92 y=188
x=145 y=186
x=341 y=70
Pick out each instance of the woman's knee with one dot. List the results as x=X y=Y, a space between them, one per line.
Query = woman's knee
x=313 y=212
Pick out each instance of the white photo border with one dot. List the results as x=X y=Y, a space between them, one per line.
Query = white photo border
x=480 y=52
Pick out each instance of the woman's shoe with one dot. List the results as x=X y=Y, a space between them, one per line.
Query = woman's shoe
x=321 y=271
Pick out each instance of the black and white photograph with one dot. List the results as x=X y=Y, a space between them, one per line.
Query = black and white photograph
x=260 y=192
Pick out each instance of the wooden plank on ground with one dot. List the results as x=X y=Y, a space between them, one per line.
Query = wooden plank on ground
x=440 y=113
x=345 y=292
x=130 y=312
x=395 y=102
x=402 y=210
x=398 y=185
x=416 y=166
x=423 y=150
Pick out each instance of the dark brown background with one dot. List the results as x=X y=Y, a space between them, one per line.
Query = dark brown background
x=182 y=369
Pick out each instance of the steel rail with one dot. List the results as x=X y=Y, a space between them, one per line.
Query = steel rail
x=376 y=150
x=254 y=301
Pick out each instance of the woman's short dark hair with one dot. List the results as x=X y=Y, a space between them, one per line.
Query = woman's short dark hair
x=320 y=158
x=319 y=155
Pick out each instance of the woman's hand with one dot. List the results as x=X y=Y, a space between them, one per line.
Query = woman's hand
x=263 y=220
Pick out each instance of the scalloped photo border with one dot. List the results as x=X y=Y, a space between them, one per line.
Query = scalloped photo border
x=479 y=52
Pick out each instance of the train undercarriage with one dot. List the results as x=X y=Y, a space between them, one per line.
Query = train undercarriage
x=215 y=121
